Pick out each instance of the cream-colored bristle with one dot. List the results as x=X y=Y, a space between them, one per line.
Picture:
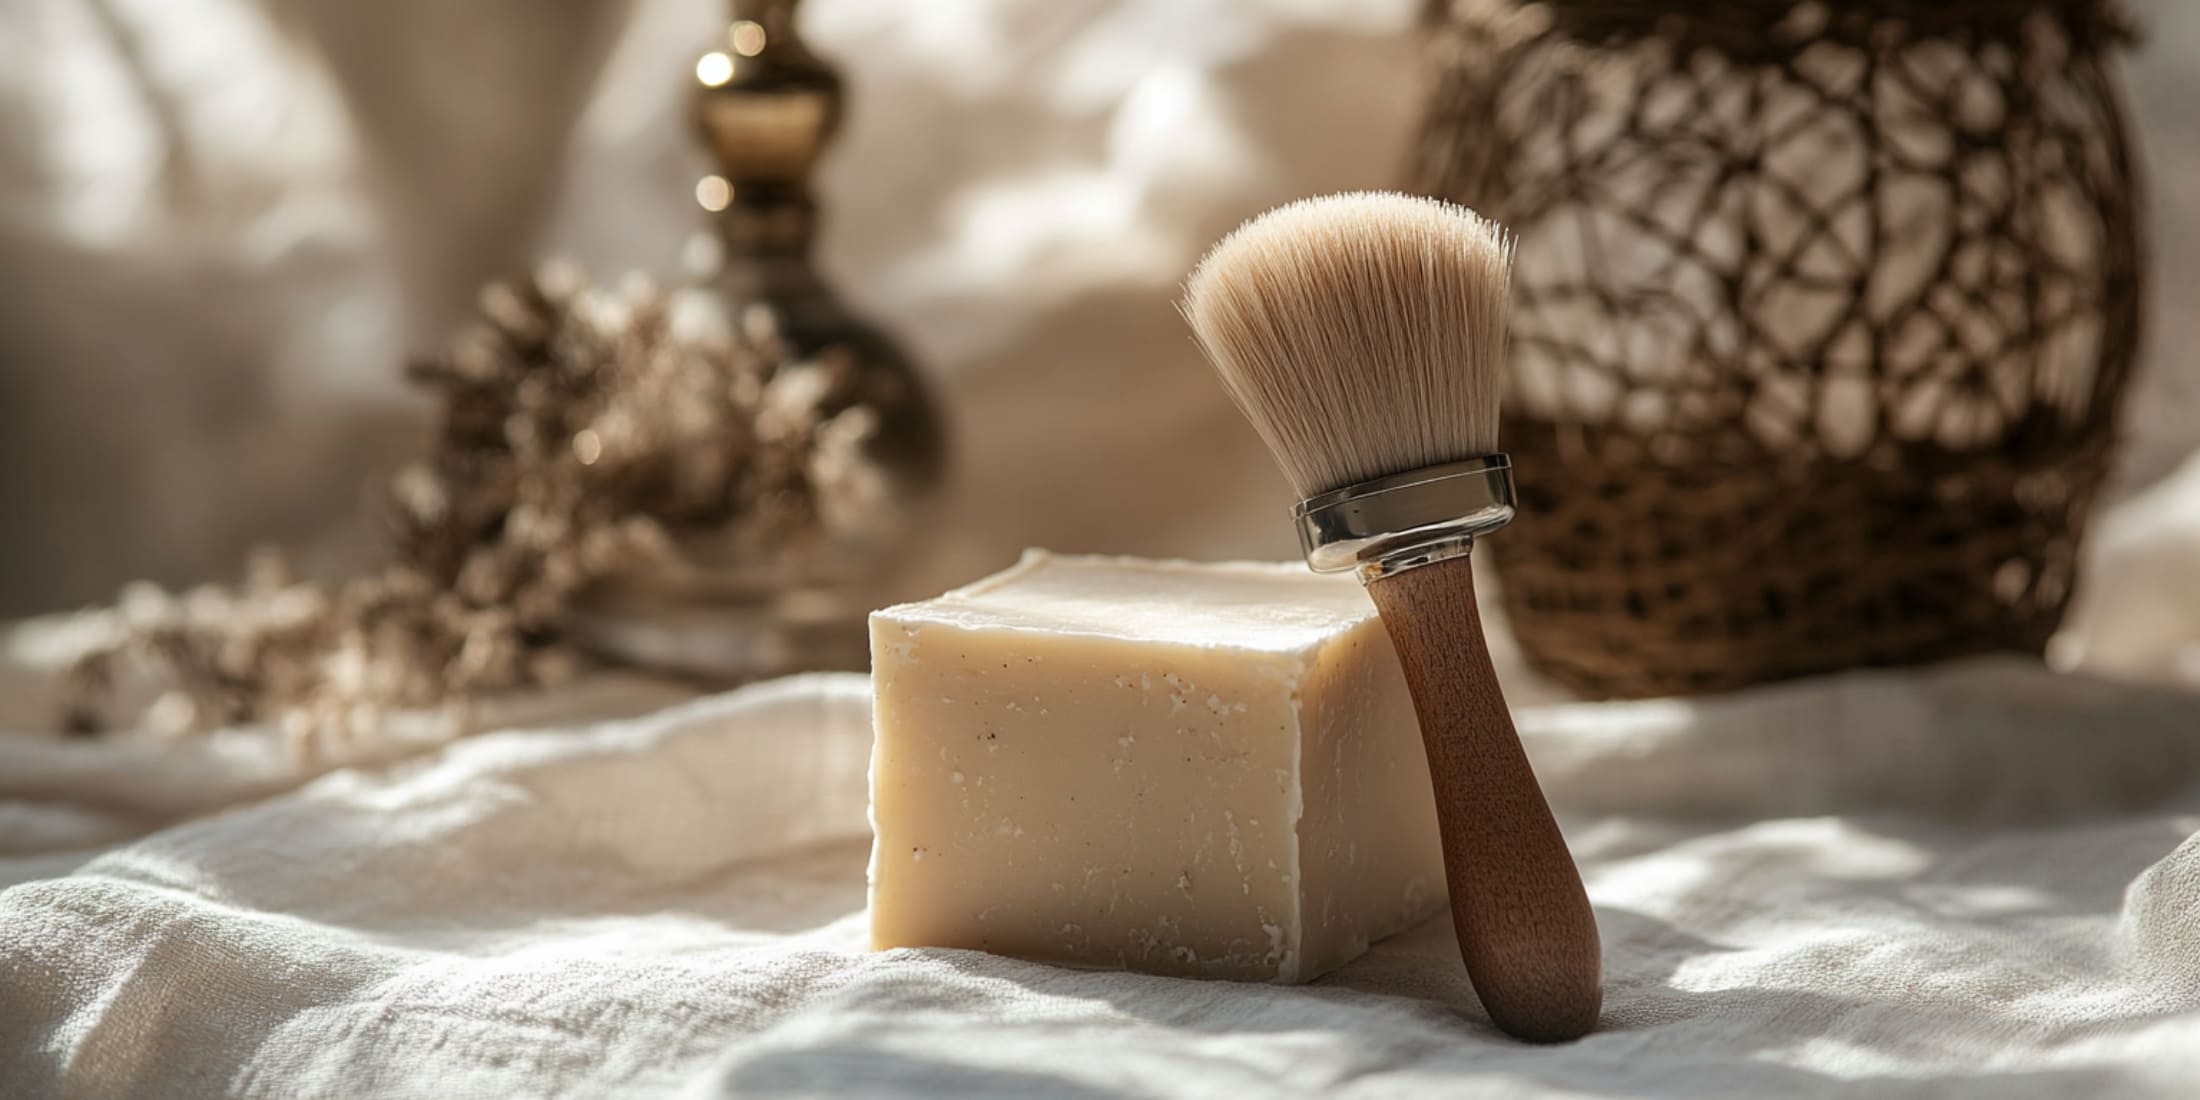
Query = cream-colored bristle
x=1361 y=333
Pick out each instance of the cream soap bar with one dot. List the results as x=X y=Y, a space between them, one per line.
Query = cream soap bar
x=1202 y=770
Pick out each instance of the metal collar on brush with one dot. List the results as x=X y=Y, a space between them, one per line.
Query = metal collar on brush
x=1420 y=517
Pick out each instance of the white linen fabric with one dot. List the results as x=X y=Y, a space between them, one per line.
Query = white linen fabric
x=1982 y=880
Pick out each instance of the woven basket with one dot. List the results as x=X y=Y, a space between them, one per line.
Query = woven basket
x=1822 y=313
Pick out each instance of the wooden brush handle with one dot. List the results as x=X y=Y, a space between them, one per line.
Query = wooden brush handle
x=1523 y=920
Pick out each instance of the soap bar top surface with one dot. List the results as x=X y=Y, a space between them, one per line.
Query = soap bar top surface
x=1268 y=607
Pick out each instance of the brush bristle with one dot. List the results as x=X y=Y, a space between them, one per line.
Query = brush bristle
x=1361 y=333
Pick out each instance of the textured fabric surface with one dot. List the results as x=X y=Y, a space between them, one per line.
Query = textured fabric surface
x=1977 y=881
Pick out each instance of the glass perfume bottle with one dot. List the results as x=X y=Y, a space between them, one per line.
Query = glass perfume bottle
x=766 y=107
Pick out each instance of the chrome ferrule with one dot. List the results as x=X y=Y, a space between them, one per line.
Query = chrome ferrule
x=1395 y=523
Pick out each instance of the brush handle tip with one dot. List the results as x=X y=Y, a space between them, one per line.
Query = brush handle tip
x=1525 y=928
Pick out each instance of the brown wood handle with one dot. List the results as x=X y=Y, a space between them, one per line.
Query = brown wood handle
x=1517 y=905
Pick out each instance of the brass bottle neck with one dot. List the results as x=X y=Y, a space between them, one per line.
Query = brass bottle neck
x=765 y=108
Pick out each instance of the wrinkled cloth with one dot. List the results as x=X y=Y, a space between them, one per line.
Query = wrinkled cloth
x=1980 y=880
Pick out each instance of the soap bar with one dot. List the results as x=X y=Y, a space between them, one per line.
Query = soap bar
x=1206 y=770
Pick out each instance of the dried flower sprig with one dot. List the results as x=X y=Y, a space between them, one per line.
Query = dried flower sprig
x=585 y=434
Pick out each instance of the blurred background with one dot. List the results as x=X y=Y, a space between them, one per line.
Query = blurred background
x=225 y=223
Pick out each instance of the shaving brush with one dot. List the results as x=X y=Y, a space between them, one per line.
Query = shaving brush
x=1362 y=335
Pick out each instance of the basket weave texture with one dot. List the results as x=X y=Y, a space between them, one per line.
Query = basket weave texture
x=1821 y=316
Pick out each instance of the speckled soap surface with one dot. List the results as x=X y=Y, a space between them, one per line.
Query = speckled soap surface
x=1192 y=769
